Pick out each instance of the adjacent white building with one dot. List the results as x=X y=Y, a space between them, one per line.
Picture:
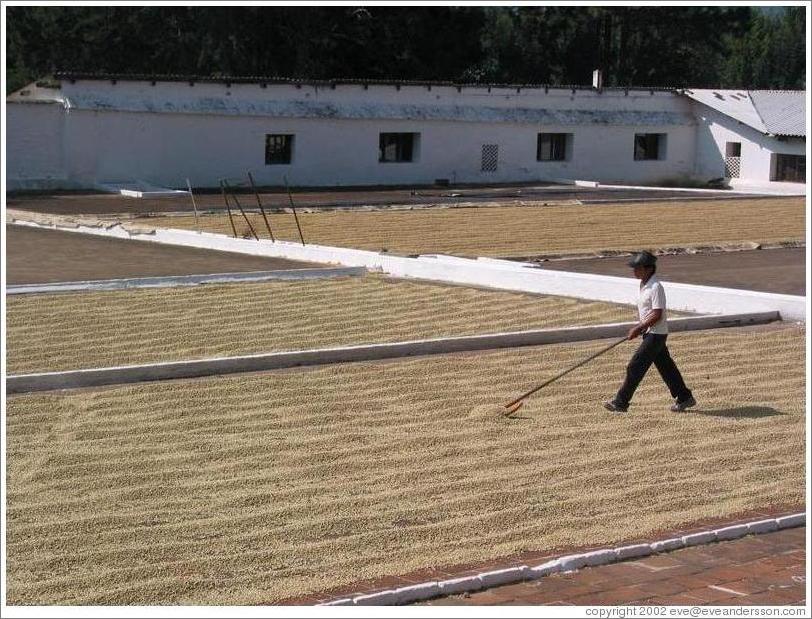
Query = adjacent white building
x=750 y=136
x=86 y=131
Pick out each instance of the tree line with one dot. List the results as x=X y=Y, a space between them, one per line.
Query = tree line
x=721 y=47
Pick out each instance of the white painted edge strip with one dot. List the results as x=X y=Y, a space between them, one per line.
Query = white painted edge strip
x=487 y=273
x=567 y=563
x=139 y=189
x=742 y=190
x=95 y=377
x=734 y=196
x=186 y=280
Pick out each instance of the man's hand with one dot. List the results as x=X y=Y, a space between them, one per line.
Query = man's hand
x=635 y=331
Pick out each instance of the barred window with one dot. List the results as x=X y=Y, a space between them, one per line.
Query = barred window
x=649 y=146
x=397 y=147
x=278 y=148
x=552 y=146
x=790 y=168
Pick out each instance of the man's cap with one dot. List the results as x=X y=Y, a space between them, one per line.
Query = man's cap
x=643 y=259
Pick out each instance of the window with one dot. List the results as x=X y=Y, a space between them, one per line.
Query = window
x=278 y=148
x=790 y=168
x=649 y=146
x=552 y=146
x=397 y=147
x=733 y=159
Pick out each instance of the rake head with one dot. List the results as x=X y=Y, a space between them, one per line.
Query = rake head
x=512 y=408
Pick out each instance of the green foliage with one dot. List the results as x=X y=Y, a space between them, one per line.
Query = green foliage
x=771 y=54
x=640 y=46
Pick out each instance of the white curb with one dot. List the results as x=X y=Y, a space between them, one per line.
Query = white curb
x=762 y=526
x=96 y=377
x=504 y=576
x=734 y=532
x=507 y=576
x=381 y=598
x=341 y=602
x=787 y=522
x=697 y=539
x=633 y=552
x=666 y=545
x=570 y=563
x=545 y=569
x=490 y=273
x=417 y=593
x=460 y=585
x=600 y=557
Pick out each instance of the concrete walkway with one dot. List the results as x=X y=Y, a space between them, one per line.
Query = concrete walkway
x=781 y=271
x=767 y=569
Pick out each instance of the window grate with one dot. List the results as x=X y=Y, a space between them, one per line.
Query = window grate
x=733 y=167
x=490 y=157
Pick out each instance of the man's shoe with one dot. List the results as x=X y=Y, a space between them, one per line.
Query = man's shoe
x=613 y=406
x=678 y=407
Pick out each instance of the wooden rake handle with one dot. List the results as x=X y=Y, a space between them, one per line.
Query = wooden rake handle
x=565 y=372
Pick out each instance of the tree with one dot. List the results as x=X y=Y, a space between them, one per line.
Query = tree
x=635 y=46
x=771 y=54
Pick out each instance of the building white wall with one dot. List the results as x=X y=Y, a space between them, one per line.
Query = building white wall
x=166 y=132
x=165 y=149
x=715 y=129
x=34 y=143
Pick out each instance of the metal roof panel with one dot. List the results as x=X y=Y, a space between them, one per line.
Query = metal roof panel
x=782 y=111
x=733 y=103
x=777 y=112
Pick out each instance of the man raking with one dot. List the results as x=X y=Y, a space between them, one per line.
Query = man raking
x=654 y=328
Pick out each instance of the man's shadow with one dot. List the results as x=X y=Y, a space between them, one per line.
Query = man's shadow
x=740 y=412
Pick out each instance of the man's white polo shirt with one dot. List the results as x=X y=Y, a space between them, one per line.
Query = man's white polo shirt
x=652 y=296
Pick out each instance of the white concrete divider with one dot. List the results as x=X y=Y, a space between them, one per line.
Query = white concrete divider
x=739 y=190
x=681 y=297
x=95 y=377
x=484 y=272
x=567 y=563
x=186 y=280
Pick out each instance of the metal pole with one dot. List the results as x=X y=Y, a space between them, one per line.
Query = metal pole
x=228 y=208
x=245 y=217
x=290 y=197
x=262 y=210
x=194 y=206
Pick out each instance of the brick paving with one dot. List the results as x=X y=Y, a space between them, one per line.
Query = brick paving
x=767 y=569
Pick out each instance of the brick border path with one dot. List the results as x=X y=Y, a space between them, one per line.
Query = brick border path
x=762 y=569
x=536 y=558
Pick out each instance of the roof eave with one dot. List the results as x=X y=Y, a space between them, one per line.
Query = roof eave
x=73 y=76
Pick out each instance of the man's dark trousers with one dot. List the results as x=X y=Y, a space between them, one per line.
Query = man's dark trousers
x=652 y=350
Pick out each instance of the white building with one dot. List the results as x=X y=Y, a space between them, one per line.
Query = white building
x=87 y=130
x=750 y=136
